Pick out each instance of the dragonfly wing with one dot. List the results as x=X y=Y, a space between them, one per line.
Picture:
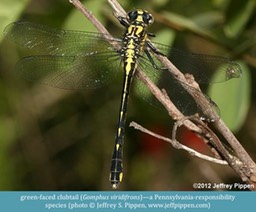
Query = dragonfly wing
x=175 y=89
x=45 y=40
x=69 y=72
x=68 y=59
x=201 y=66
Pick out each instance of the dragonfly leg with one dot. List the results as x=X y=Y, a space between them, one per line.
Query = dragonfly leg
x=123 y=21
x=151 y=60
x=151 y=34
x=153 y=48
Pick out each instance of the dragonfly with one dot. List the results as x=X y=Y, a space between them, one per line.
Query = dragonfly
x=71 y=59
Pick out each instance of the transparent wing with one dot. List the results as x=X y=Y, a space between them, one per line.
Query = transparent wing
x=45 y=40
x=201 y=66
x=175 y=89
x=68 y=59
x=69 y=72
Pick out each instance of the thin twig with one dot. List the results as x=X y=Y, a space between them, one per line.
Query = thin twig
x=233 y=161
x=166 y=101
x=178 y=145
x=117 y=8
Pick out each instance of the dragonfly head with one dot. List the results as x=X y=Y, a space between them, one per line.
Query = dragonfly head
x=139 y=16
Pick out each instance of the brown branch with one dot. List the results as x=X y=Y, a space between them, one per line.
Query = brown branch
x=177 y=145
x=213 y=139
x=248 y=166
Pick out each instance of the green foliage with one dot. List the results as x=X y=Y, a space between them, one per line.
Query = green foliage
x=10 y=11
x=237 y=16
x=96 y=8
x=233 y=98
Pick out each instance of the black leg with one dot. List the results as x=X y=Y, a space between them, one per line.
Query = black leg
x=123 y=21
x=153 y=49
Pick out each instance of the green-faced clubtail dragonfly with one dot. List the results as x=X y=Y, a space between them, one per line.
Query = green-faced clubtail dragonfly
x=85 y=60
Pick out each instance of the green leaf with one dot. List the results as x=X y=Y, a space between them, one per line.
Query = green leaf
x=10 y=11
x=165 y=37
x=237 y=15
x=233 y=98
x=76 y=20
x=193 y=25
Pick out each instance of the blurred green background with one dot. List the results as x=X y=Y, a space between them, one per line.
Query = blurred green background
x=53 y=139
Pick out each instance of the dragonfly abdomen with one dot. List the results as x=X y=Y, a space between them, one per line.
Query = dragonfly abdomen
x=116 y=170
x=133 y=45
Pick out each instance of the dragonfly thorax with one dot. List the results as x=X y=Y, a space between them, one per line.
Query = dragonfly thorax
x=136 y=33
